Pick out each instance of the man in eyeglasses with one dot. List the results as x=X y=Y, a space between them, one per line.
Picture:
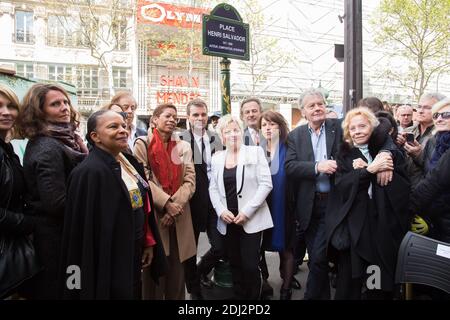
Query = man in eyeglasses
x=422 y=131
x=404 y=117
x=128 y=104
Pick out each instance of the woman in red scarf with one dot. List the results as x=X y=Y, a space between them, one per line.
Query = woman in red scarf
x=170 y=171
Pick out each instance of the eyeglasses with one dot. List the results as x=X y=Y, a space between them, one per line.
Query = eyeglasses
x=444 y=115
x=126 y=107
x=423 y=107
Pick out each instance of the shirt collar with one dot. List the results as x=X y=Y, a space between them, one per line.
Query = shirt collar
x=197 y=137
x=311 y=130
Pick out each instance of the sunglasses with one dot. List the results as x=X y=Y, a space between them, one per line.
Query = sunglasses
x=444 y=115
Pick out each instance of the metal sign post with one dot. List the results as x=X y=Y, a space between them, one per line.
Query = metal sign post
x=226 y=36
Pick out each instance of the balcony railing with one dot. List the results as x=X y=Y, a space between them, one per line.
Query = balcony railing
x=23 y=37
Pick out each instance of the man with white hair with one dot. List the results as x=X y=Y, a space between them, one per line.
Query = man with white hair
x=310 y=166
x=422 y=131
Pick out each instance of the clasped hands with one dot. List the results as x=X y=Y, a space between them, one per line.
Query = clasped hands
x=382 y=166
x=172 y=211
x=229 y=217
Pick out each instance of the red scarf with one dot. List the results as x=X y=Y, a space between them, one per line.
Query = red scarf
x=165 y=163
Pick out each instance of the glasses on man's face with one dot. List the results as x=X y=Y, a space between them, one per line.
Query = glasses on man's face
x=419 y=107
x=445 y=115
x=126 y=107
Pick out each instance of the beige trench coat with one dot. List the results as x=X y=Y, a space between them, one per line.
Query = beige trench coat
x=183 y=224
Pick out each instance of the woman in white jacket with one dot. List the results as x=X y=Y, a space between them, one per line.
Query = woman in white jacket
x=240 y=183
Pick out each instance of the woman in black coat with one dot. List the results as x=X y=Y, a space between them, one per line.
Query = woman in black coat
x=15 y=226
x=109 y=231
x=365 y=221
x=438 y=213
x=49 y=121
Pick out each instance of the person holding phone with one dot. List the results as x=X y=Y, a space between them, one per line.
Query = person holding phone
x=422 y=131
x=438 y=213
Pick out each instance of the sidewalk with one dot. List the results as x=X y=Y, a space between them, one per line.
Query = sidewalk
x=272 y=258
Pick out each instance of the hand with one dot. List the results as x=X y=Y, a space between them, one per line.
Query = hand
x=414 y=149
x=147 y=257
x=359 y=164
x=382 y=162
x=419 y=225
x=174 y=209
x=167 y=220
x=401 y=139
x=227 y=216
x=384 y=177
x=327 y=166
x=240 y=219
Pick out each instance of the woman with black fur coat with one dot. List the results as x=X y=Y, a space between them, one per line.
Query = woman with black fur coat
x=366 y=221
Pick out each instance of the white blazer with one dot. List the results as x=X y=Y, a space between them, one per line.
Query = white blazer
x=252 y=184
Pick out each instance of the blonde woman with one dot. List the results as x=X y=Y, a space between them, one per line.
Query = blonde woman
x=240 y=183
x=366 y=221
x=438 y=213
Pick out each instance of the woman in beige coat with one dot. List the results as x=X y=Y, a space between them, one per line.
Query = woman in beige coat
x=170 y=171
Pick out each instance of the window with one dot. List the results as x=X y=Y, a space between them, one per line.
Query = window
x=60 y=73
x=24 y=69
x=65 y=32
x=87 y=81
x=24 y=27
x=120 y=78
x=120 y=34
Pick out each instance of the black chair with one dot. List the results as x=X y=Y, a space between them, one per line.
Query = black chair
x=424 y=261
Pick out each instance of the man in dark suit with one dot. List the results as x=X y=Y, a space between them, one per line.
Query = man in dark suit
x=310 y=166
x=251 y=110
x=204 y=144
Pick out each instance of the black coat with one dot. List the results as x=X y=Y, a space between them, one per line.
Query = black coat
x=376 y=227
x=15 y=226
x=300 y=165
x=99 y=232
x=431 y=196
x=12 y=219
x=200 y=202
x=47 y=164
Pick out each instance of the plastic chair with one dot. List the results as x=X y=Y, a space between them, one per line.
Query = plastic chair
x=424 y=261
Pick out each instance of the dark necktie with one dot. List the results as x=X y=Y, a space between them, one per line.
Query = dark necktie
x=204 y=157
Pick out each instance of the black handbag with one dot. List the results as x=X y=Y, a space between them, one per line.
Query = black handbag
x=18 y=262
x=340 y=239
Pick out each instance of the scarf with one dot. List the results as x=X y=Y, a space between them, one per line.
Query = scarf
x=442 y=145
x=128 y=174
x=364 y=148
x=278 y=207
x=165 y=163
x=65 y=132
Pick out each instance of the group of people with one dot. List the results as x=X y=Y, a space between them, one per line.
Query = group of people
x=126 y=209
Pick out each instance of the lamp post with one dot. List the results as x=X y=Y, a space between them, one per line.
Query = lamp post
x=352 y=54
x=225 y=85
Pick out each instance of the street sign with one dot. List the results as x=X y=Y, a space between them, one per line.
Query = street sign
x=225 y=35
